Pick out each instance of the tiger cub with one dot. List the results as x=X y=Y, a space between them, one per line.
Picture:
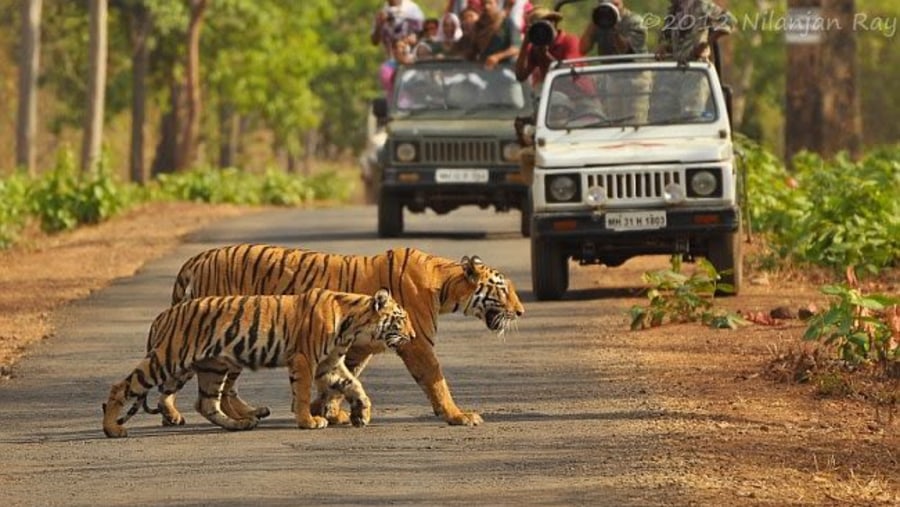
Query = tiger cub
x=309 y=333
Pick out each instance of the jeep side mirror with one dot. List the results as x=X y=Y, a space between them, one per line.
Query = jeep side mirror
x=380 y=108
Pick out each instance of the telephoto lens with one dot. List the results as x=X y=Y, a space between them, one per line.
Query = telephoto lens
x=605 y=15
x=541 y=33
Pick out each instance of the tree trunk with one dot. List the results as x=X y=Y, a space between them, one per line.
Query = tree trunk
x=803 y=94
x=187 y=144
x=229 y=128
x=310 y=145
x=167 y=147
x=141 y=26
x=93 y=125
x=29 y=65
x=841 y=124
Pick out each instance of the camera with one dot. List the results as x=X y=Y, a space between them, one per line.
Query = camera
x=606 y=15
x=541 y=33
x=391 y=14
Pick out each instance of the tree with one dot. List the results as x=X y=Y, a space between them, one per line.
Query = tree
x=190 y=128
x=140 y=23
x=93 y=127
x=29 y=65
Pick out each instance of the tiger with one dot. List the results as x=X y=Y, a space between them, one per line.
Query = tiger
x=425 y=285
x=310 y=333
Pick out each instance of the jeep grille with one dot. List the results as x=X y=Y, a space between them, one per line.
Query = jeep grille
x=460 y=151
x=636 y=185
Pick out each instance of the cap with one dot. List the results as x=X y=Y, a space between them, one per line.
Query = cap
x=543 y=13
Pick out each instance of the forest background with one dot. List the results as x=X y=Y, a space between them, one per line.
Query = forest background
x=288 y=83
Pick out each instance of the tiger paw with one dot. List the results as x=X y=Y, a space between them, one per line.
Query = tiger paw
x=464 y=419
x=338 y=416
x=174 y=419
x=361 y=419
x=115 y=431
x=236 y=408
x=313 y=423
x=244 y=424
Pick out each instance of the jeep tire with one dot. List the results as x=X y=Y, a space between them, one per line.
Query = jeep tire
x=725 y=255
x=390 y=216
x=549 y=270
x=525 y=225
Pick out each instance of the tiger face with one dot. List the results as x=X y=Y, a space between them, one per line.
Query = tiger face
x=393 y=326
x=493 y=299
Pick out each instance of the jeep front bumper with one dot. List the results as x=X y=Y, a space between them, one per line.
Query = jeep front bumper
x=584 y=235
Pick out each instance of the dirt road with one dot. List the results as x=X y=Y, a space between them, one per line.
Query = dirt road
x=577 y=410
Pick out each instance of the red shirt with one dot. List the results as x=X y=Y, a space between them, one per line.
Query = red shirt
x=564 y=47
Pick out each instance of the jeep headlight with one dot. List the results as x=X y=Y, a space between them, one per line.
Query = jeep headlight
x=405 y=152
x=704 y=182
x=510 y=151
x=562 y=188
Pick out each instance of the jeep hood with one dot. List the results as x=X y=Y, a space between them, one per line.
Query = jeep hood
x=580 y=153
x=454 y=127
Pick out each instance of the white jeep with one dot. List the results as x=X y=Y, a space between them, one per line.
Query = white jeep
x=633 y=156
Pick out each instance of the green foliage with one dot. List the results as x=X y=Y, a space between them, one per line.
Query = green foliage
x=832 y=214
x=13 y=207
x=855 y=325
x=853 y=212
x=234 y=186
x=65 y=198
x=676 y=297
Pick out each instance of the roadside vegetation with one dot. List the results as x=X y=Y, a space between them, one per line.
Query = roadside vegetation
x=835 y=222
x=63 y=198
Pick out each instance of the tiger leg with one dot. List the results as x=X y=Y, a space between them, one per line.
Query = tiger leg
x=352 y=389
x=328 y=403
x=234 y=406
x=422 y=364
x=165 y=405
x=210 y=383
x=301 y=384
x=135 y=385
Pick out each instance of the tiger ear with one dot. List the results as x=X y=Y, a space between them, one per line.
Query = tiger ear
x=381 y=299
x=469 y=267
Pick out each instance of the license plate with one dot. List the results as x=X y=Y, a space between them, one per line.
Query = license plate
x=461 y=176
x=635 y=220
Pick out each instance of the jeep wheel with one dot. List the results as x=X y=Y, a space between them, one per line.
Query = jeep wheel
x=390 y=216
x=725 y=255
x=549 y=271
x=525 y=225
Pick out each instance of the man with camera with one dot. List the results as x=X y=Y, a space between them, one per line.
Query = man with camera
x=398 y=19
x=544 y=44
x=690 y=30
x=614 y=30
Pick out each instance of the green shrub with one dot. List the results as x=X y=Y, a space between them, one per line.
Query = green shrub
x=832 y=214
x=65 y=198
x=676 y=297
x=14 y=207
x=857 y=326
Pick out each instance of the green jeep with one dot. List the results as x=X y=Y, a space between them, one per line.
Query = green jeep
x=451 y=141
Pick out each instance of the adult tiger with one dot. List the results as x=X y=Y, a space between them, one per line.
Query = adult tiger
x=310 y=333
x=425 y=285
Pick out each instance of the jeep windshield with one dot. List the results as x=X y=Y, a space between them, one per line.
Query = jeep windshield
x=457 y=88
x=598 y=98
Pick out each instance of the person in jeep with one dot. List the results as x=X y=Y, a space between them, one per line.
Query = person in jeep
x=623 y=34
x=690 y=30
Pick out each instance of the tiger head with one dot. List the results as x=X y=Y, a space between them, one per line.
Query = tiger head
x=493 y=297
x=393 y=326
